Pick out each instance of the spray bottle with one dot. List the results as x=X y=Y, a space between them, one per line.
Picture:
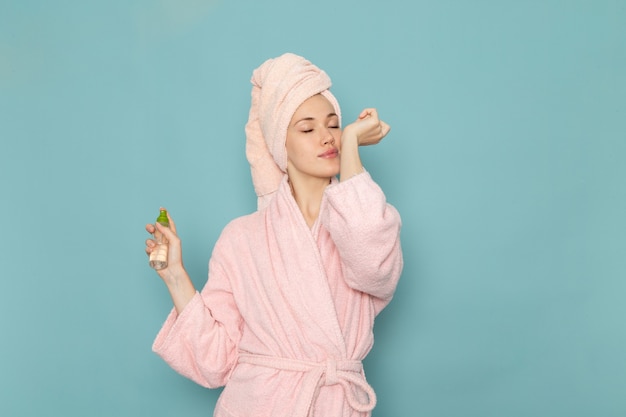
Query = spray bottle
x=158 y=257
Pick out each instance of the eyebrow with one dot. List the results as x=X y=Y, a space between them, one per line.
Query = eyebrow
x=328 y=116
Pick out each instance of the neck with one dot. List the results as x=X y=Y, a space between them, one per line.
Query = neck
x=308 y=195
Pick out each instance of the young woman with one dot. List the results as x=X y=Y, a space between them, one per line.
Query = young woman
x=287 y=313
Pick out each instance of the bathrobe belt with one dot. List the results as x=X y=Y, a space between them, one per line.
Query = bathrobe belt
x=347 y=373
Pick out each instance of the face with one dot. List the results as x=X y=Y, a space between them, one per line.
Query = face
x=313 y=139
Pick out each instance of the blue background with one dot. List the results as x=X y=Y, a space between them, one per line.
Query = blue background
x=505 y=159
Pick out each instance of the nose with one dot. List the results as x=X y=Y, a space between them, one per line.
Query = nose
x=328 y=137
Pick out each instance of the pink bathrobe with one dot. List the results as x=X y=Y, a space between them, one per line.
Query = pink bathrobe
x=287 y=313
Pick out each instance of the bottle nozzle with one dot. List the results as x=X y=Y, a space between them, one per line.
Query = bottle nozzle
x=163 y=218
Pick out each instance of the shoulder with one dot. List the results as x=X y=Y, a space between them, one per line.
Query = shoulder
x=241 y=228
x=239 y=240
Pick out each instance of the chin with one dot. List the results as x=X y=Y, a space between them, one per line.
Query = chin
x=327 y=171
x=333 y=173
x=326 y=174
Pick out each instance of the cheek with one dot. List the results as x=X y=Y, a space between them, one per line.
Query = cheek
x=294 y=148
x=337 y=137
x=289 y=146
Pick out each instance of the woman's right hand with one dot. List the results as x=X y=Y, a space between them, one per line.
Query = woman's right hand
x=175 y=266
x=174 y=276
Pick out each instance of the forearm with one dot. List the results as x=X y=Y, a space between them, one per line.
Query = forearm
x=350 y=159
x=180 y=287
x=201 y=342
x=366 y=231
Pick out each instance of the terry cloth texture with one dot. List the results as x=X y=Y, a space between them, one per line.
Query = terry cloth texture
x=287 y=315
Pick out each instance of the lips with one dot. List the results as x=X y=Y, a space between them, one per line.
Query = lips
x=331 y=153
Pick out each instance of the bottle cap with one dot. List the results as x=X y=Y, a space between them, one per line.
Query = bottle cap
x=163 y=218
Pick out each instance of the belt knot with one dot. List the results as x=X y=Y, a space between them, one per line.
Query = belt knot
x=331 y=372
x=345 y=372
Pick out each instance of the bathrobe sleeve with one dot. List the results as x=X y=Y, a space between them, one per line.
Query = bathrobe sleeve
x=366 y=231
x=201 y=342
